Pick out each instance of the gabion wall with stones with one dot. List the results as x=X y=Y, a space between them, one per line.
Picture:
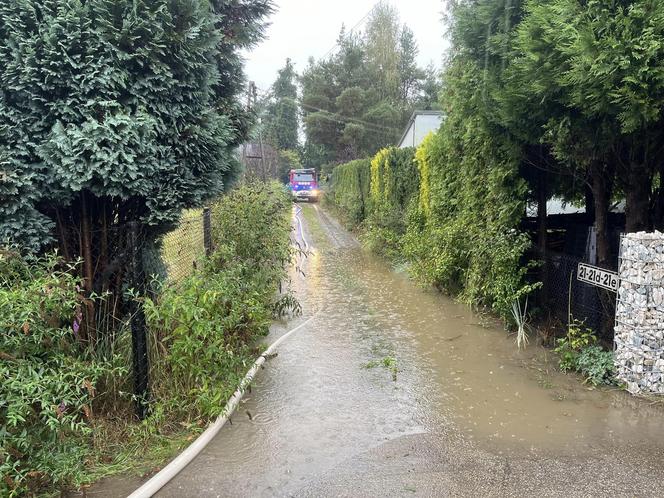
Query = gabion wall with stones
x=639 y=331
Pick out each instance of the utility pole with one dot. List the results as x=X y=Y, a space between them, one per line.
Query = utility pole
x=260 y=136
x=252 y=98
x=250 y=93
x=260 y=144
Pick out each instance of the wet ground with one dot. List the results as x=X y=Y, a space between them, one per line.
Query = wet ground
x=395 y=391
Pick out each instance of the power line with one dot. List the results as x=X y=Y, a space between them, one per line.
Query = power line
x=347 y=119
x=339 y=118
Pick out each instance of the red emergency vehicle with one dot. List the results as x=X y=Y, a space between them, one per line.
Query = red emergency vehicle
x=303 y=184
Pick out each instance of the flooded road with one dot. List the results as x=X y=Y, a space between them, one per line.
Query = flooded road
x=392 y=390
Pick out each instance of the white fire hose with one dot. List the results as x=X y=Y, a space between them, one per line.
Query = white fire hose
x=160 y=479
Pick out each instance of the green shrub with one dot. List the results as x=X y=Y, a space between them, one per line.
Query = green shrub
x=252 y=224
x=203 y=328
x=202 y=341
x=579 y=352
x=596 y=365
x=462 y=234
x=349 y=190
x=201 y=331
x=48 y=380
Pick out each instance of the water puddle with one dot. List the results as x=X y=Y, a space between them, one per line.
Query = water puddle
x=471 y=373
x=468 y=371
x=383 y=360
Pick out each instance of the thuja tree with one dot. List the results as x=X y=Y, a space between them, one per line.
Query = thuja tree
x=602 y=61
x=463 y=234
x=281 y=116
x=115 y=111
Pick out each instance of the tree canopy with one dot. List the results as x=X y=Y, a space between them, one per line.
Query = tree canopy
x=281 y=113
x=358 y=100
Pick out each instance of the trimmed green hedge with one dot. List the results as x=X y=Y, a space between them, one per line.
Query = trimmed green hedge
x=463 y=235
x=395 y=179
x=394 y=183
x=349 y=190
x=451 y=208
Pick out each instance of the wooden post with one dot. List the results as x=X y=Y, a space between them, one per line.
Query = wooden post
x=207 y=231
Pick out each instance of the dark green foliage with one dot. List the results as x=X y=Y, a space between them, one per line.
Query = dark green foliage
x=18 y=215
x=112 y=98
x=281 y=113
x=47 y=385
x=430 y=88
x=114 y=112
x=601 y=64
x=349 y=190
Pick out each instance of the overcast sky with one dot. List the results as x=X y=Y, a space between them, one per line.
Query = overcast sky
x=304 y=28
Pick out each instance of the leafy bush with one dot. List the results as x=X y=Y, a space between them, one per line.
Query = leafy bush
x=252 y=225
x=203 y=328
x=47 y=379
x=394 y=185
x=200 y=332
x=579 y=352
x=596 y=365
x=349 y=190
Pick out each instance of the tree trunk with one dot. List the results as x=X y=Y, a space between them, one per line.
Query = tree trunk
x=589 y=200
x=103 y=252
x=86 y=243
x=62 y=235
x=541 y=212
x=637 y=198
x=542 y=231
x=601 y=192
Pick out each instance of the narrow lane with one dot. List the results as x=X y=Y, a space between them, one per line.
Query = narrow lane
x=316 y=403
x=393 y=391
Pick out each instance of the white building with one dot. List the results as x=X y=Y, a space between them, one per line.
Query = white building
x=420 y=125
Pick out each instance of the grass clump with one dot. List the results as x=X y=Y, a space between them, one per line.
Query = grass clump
x=579 y=352
x=389 y=363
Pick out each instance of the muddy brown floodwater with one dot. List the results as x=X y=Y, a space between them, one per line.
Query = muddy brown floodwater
x=392 y=390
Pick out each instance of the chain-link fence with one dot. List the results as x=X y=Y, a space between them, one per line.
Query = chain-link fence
x=123 y=260
x=563 y=298
x=183 y=248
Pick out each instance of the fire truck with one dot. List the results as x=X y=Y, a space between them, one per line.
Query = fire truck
x=303 y=184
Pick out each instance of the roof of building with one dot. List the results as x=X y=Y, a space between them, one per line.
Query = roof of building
x=414 y=117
